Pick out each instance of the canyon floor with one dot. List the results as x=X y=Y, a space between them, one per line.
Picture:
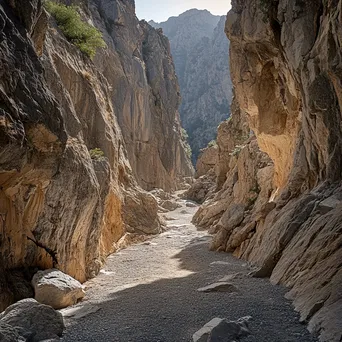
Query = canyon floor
x=148 y=293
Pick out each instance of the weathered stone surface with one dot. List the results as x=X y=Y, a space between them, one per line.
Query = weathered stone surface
x=202 y=188
x=56 y=108
x=200 y=48
x=145 y=95
x=170 y=205
x=287 y=90
x=57 y=289
x=33 y=321
x=206 y=160
x=219 y=287
x=9 y=333
x=223 y=330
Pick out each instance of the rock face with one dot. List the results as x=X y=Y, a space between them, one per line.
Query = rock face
x=57 y=108
x=288 y=177
x=145 y=94
x=56 y=289
x=27 y=320
x=200 y=48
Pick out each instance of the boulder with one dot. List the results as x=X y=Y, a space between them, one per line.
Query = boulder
x=170 y=205
x=232 y=217
x=57 y=289
x=222 y=330
x=30 y=321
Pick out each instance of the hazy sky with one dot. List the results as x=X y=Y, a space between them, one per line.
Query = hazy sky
x=161 y=10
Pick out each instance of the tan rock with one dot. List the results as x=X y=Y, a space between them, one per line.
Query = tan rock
x=56 y=289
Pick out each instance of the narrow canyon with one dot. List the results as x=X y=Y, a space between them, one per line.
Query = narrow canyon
x=172 y=181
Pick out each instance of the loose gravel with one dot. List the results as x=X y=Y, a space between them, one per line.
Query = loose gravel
x=148 y=293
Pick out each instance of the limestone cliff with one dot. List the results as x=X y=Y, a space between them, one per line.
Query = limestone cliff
x=200 y=49
x=65 y=174
x=281 y=208
x=145 y=94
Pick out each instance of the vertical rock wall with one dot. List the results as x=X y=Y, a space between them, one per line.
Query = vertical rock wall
x=286 y=69
x=65 y=166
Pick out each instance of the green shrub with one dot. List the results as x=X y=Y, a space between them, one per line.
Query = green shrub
x=184 y=134
x=86 y=37
x=96 y=154
x=212 y=143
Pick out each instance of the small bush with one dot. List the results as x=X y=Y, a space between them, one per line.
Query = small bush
x=184 y=134
x=212 y=143
x=96 y=154
x=86 y=37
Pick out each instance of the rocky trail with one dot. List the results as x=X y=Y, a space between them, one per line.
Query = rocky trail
x=149 y=293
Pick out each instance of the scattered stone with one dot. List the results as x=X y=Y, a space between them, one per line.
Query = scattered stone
x=223 y=330
x=184 y=212
x=81 y=311
x=57 y=289
x=168 y=218
x=219 y=287
x=328 y=204
x=230 y=277
x=106 y=272
x=169 y=205
x=191 y=205
x=32 y=321
x=220 y=263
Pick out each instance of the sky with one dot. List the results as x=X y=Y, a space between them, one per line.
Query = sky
x=161 y=10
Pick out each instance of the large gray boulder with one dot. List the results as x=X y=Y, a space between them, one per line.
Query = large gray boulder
x=57 y=289
x=28 y=320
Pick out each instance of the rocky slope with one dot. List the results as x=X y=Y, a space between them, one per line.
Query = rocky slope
x=65 y=167
x=200 y=48
x=279 y=196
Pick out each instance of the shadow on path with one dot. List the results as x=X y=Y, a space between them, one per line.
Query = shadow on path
x=171 y=310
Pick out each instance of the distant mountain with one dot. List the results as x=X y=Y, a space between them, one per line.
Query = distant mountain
x=199 y=48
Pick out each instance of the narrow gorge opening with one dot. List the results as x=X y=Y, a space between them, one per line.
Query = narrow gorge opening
x=170 y=173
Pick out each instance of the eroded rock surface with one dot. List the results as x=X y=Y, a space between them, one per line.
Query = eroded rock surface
x=68 y=167
x=200 y=48
x=287 y=91
x=56 y=289
x=27 y=320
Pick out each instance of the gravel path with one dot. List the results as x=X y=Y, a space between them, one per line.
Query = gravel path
x=148 y=293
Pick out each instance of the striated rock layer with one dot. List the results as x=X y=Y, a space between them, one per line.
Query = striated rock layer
x=65 y=175
x=286 y=68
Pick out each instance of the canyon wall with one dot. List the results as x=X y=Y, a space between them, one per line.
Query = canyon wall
x=66 y=179
x=200 y=48
x=278 y=196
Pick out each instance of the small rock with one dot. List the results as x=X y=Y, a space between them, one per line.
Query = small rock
x=169 y=205
x=79 y=312
x=220 y=263
x=32 y=321
x=222 y=330
x=230 y=277
x=219 y=287
x=191 y=205
x=57 y=289
x=184 y=212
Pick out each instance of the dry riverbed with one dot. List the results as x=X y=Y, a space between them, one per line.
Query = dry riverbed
x=148 y=293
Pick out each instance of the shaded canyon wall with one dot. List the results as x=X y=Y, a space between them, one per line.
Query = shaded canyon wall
x=278 y=194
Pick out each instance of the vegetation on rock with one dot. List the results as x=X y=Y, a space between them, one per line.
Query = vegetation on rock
x=85 y=36
x=96 y=153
